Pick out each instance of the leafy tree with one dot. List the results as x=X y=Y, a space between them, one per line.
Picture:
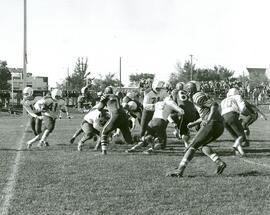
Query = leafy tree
x=136 y=78
x=5 y=75
x=183 y=73
x=99 y=84
x=76 y=80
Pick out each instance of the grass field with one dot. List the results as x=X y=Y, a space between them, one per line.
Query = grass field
x=60 y=180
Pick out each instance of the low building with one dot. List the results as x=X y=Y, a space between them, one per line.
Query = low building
x=38 y=83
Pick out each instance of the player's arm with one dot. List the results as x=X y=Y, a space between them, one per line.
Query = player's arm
x=259 y=111
x=213 y=109
x=147 y=102
x=102 y=103
x=29 y=110
x=192 y=124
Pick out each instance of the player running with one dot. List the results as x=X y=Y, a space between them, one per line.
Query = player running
x=212 y=127
x=231 y=107
x=50 y=107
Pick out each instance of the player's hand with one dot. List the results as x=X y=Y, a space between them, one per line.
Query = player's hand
x=40 y=117
x=190 y=125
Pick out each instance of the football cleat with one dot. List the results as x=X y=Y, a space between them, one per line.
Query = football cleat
x=220 y=167
x=238 y=150
x=71 y=141
x=175 y=173
x=29 y=145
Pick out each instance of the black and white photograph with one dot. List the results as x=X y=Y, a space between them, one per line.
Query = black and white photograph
x=134 y=107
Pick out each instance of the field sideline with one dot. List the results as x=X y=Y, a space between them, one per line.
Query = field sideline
x=60 y=180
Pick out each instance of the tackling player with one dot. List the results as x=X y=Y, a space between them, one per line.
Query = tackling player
x=28 y=103
x=92 y=125
x=118 y=118
x=212 y=127
x=156 y=131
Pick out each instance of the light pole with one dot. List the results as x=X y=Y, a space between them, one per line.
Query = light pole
x=191 y=69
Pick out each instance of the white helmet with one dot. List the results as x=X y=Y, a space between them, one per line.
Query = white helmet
x=131 y=95
x=28 y=91
x=232 y=92
x=56 y=92
x=132 y=106
x=157 y=85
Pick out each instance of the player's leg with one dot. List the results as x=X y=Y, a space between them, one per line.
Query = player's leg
x=76 y=134
x=89 y=132
x=108 y=127
x=49 y=124
x=146 y=118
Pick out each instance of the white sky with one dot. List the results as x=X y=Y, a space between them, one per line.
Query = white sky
x=150 y=35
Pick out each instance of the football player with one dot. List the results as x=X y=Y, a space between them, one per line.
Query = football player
x=191 y=115
x=212 y=127
x=156 y=130
x=28 y=103
x=151 y=96
x=92 y=125
x=118 y=118
x=133 y=107
x=50 y=107
x=231 y=108
x=250 y=116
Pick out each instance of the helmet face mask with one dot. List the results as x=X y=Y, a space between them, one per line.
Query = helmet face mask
x=190 y=88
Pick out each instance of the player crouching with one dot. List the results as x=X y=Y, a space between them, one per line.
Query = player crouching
x=212 y=127
x=92 y=124
x=50 y=107
x=156 y=130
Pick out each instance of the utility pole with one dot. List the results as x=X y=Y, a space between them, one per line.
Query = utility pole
x=120 y=72
x=191 y=69
x=24 y=47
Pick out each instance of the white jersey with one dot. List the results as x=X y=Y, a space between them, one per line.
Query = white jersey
x=165 y=108
x=93 y=117
x=151 y=97
x=50 y=107
x=232 y=104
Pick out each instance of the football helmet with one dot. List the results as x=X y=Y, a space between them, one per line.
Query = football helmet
x=180 y=86
x=200 y=98
x=132 y=106
x=157 y=85
x=190 y=88
x=131 y=95
x=108 y=90
x=28 y=91
x=232 y=92
x=56 y=94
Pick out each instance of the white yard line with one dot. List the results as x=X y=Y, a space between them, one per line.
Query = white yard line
x=8 y=191
x=255 y=163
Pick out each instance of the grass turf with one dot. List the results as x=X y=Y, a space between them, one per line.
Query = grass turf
x=60 y=180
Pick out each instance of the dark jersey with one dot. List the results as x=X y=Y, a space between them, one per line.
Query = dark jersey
x=112 y=102
x=191 y=114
